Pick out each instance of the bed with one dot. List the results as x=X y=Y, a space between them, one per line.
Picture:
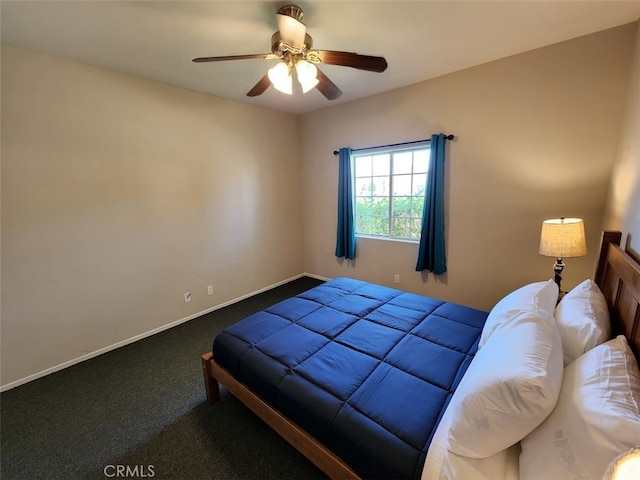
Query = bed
x=368 y=381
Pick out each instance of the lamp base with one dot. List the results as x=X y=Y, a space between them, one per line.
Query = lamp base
x=557 y=270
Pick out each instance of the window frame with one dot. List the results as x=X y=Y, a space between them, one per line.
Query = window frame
x=391 y=151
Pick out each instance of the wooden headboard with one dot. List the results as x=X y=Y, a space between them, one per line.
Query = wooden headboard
x=618 y=276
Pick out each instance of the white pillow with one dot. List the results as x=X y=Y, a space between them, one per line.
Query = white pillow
x=583 y=320
x=537 y=296
x=510 y=387
x=597 y=417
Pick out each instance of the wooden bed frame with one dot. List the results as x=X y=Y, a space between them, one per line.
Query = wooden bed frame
x=617 y=275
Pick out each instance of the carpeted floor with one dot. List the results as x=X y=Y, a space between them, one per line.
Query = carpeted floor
x=140 y=412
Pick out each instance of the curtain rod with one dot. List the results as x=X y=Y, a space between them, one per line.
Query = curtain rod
x=448 y=137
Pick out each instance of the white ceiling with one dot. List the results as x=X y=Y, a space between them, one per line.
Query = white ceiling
x=419 y=39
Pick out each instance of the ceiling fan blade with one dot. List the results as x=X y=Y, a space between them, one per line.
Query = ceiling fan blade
x=327 y=87
x=260 y=87
x=234 y=57
x=354 y=60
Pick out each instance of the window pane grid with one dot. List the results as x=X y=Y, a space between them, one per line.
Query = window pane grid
x=390 y=193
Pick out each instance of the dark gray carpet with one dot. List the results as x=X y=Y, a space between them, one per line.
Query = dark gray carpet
x=142 y=409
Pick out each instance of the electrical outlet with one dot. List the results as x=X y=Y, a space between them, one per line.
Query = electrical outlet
x=210 y=290
x=187 y=297
x=396 y=278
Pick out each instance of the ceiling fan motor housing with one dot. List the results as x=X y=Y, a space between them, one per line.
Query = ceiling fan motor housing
x=292 y=11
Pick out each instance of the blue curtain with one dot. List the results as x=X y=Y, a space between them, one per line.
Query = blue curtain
x=431 y=253
x=346 y=234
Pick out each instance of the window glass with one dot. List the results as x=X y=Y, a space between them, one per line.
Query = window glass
x=389 y=191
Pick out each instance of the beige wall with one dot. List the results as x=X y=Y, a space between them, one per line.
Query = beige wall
x=536 y=137
x=119 y=195
x=623 y=210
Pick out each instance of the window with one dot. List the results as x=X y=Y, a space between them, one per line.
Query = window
x=389 y=191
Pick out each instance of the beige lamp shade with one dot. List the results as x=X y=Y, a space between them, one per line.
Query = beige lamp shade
x=563 y=237
x=625 y=467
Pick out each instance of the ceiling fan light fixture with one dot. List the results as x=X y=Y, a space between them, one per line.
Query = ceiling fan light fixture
x=280 y=77
x=307 y=75
x=308 y=85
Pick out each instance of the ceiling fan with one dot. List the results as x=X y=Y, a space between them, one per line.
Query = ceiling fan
x=293 y=46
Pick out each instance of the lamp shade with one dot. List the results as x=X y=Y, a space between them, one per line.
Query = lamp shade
x=625 y=467
x=563 y=237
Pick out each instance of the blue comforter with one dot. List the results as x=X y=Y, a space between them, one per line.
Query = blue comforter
x=367 y=370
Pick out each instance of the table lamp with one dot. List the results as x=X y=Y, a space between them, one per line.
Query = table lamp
x=624 y=467
x=561 y=238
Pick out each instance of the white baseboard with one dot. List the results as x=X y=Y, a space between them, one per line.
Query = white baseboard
x=128 y=341
x=312 y=275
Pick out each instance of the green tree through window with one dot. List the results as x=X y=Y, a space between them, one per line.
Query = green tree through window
x=389 y=191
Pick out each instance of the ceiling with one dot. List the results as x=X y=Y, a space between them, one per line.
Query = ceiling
x=419 y=39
